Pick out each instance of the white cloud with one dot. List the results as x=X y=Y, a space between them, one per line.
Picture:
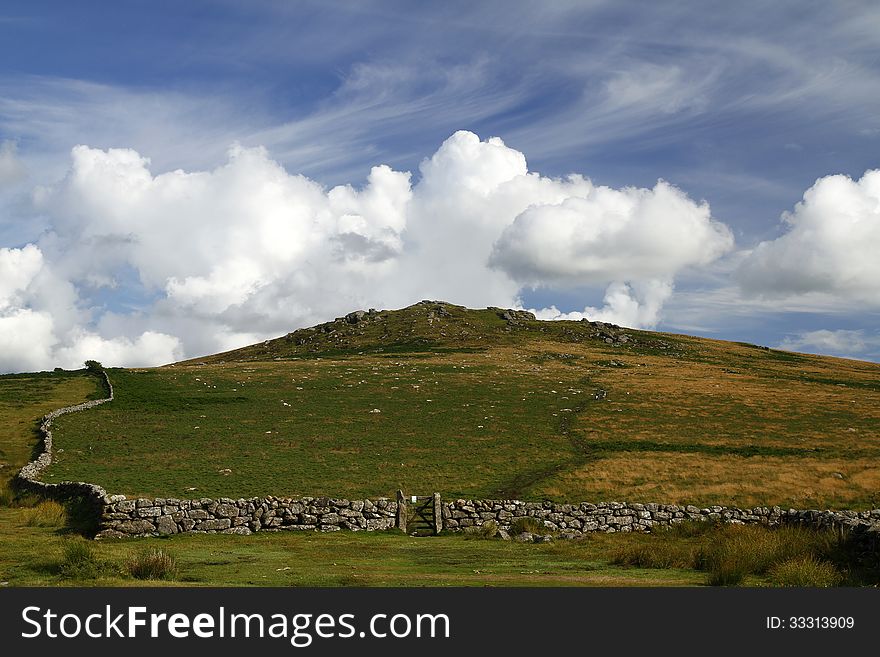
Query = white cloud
x=213 y=240
x=662 y=88
x=26 y=340
x=205 y=261
x=633 y=240
x=40 y=322
x=18 y=267
x=12 y=170
x=149 y=348
x=468 y=165
x=633 y=305
x=605 y=233
x=830 y=248
x=845 y=343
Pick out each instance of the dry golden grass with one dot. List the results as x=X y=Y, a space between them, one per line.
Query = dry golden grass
x=801 y=482
x=47 y=513
x=680 y=402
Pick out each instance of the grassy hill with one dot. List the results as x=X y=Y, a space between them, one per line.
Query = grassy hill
x=490 y=403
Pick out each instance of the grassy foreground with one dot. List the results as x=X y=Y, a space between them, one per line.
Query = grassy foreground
x=42 y=557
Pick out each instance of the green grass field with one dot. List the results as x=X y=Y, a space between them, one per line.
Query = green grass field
x=440 y=398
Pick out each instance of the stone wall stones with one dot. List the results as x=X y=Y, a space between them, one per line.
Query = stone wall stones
x=121 y=517
x=155 y=517
x=572 y=520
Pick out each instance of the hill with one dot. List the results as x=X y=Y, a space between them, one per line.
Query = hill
x=436 y=327
x=488 y=403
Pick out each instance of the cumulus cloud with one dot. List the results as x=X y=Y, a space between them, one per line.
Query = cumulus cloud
x=18 y=267
x=633 y=305
x=149 y=348
x=197 y=262
x=26 y=340
x=845 y=343
x=831 y=245
x=607 y=233
x=212 y=240
x=40 y=324
x=638 y=239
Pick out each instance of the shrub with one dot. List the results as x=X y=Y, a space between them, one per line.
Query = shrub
x=488 y=529
x=805 y=571
x=154 y=563
x=527 y=524
x=47 y=513
x=79 y=561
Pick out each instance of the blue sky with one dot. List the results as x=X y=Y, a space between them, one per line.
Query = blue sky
x=744 y=108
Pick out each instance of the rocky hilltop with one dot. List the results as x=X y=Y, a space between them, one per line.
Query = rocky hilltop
x=436 y=326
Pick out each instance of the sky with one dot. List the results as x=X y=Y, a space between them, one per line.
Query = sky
x=178 y=179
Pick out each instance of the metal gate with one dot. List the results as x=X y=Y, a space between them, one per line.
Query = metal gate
x=420 y=515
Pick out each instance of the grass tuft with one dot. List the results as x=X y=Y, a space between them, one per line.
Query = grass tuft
x=489 y=529
x=649 y=554
x=7 y=496
x=15 y=498
x=47 y=513
x=528 y=524
x=154 y=563
x=730 y=554
x=79 y=561
x=688 y=529
x=805 y=571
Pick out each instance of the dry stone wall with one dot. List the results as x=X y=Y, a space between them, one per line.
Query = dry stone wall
x=160 y=517
x=572 y=520
x=121 y=517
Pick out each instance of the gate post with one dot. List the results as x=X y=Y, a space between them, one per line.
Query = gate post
x=438 y=514
x=401 y=511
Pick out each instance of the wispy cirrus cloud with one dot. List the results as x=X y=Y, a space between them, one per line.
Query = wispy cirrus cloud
x=49 y=115
x=12 y=170
x=557 y=84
